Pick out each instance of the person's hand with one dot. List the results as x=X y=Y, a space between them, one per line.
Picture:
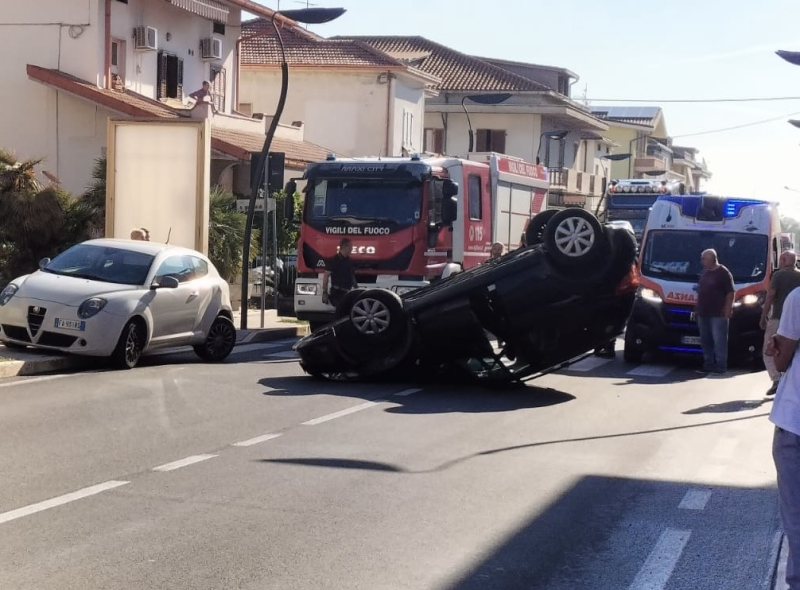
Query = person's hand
x=770 y=349
x=325 y=298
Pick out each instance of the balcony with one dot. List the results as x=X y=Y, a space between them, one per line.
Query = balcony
x=570 y=181
x=650 y=164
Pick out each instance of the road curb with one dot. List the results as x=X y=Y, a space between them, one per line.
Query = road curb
x=25 y=367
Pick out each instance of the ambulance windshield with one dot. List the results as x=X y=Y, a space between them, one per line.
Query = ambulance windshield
x=675 y=254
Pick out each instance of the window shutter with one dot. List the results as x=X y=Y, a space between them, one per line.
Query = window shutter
x=161 y=75
x=498 y=141
x=179 y=91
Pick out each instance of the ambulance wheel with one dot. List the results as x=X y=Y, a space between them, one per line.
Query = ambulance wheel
x=534 y=233
x=574 y=237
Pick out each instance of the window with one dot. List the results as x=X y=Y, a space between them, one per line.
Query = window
x=118 y=64
x=434 y=141
x=180 y=267
x=218 y=86
x=475 y=209
x=490 y=140
x=170 y=76
x=200 y=267
x=219 y=28
x=408 y=128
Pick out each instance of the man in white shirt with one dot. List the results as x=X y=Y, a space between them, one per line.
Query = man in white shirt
x=786 y=441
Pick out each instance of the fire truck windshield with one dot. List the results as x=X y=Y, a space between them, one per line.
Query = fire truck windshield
x=359 y=201
x=675 y=254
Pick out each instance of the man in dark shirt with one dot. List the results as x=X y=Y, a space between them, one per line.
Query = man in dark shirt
x=783 y=282
x=714 y=309
x=339 y=272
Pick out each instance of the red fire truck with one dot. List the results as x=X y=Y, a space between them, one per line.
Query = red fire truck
x=411 y=220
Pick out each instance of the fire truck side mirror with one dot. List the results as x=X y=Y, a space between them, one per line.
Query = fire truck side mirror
x=288 y=200
x=449 y=210
x=449 y=188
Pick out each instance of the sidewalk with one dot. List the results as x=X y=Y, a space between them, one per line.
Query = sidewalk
x=29 y=361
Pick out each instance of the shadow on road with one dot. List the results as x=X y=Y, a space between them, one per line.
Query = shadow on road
x=728 y=407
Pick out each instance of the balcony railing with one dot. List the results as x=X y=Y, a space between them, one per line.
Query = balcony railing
x=650 y=163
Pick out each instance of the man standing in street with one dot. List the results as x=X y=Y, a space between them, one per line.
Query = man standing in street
x=783 y=281
x=340 y=273
x=782 y=347
x=714 y=309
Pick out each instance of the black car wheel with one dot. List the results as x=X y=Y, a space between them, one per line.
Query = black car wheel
x=534 y=233
x=573 y=237
x=129 y=346
x=219 y=342
x=377 y=314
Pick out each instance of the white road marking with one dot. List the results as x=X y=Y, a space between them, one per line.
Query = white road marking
x=588 y=364
x=658 y=567
x=60 y=500
x=406 y=392
x=183 y=462
x=695 y=500
x=341 y=413
x=37 y=379
x=651 y=370
x=256 y=440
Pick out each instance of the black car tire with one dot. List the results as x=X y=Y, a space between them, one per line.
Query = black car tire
x=377 y=315
x=219 y=342
x=574 y=237
x=129 y=346
x=632 y=353
x=534 y=233
x=344 y=306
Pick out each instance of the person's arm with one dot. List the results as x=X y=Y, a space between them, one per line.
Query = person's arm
x=767 y=306
x=727 y=308
x=325 y=276
x=783 y=345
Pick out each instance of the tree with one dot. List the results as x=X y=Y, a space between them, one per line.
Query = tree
x=226 y=233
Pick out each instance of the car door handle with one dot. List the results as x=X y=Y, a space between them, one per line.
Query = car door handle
x=193 y=295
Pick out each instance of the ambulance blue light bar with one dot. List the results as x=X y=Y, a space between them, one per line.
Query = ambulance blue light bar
x=690 y=204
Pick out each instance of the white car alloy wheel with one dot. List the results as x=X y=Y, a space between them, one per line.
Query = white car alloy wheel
x=370 y=316
x=574 y=237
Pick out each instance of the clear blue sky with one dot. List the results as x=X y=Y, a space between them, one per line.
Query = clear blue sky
x=626 y=49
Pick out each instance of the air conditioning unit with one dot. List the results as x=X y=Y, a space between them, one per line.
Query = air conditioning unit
x=211 y=48
x=145 y=38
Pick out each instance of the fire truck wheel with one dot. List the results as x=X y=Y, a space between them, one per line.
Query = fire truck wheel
x=534 y=233
x=378 y=315
x=574 y=237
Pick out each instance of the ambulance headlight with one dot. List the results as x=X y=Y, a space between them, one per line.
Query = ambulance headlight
x=749 y=299
x=649 y=295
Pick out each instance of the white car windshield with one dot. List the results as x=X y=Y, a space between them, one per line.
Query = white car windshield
x=102 y=263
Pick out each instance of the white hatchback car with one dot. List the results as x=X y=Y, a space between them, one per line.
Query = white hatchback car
x=118 y=299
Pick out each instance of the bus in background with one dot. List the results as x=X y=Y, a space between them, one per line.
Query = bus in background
x=631 y=199
x=746 y=233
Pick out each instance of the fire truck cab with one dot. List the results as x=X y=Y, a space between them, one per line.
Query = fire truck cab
x=410 y=220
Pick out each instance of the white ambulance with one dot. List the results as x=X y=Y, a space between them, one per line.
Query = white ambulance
x=746 y=233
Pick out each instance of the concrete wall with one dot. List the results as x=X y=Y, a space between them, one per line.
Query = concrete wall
x=346 y=111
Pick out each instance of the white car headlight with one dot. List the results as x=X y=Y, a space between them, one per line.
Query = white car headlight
x=8 y=293
x=91 y=307
x=403 y=289
x=649 y=295
x=750 y=299
x=306 y=289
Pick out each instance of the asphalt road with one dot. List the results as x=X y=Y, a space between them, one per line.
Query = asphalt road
x=181 y=475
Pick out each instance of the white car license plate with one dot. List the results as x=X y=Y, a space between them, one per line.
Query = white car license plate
x=71 y=324
x=695 y=340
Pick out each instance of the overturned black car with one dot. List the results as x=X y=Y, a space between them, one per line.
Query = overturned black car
x=570 y=290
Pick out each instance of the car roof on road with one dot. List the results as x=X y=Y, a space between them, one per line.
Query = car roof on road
x=152 y=248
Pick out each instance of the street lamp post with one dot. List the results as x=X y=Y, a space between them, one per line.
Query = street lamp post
x=312 y=16
x=487 y=99
x=613 y=158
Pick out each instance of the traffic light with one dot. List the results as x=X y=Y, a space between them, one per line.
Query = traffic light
x=275 y=167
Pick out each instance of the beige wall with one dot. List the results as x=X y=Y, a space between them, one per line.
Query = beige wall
x=343 y=111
